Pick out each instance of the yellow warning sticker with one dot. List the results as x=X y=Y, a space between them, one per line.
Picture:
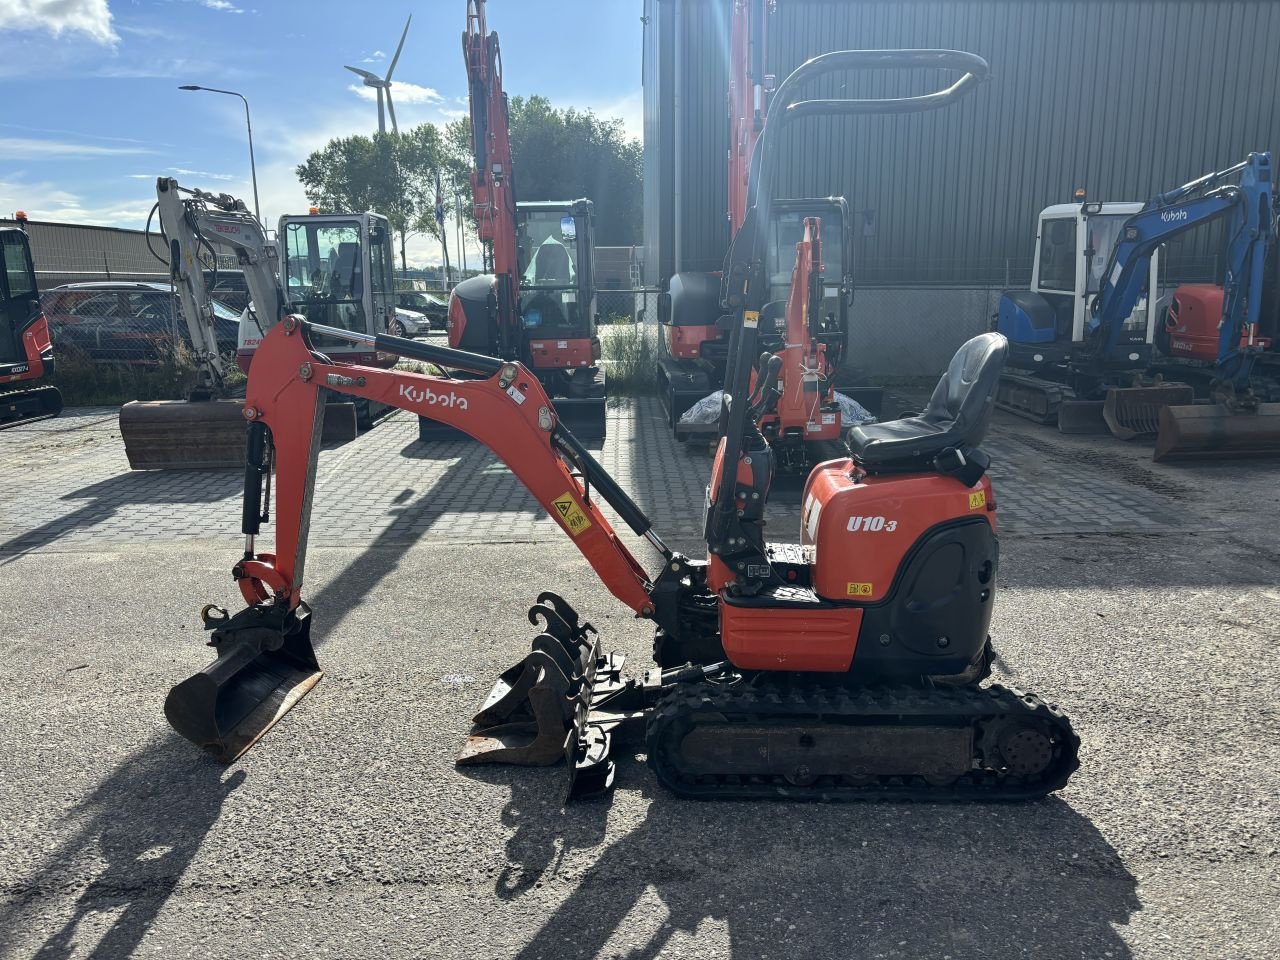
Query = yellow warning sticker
x=860 y=590
x=750 y=318
x=570 y=514
x=978 y=500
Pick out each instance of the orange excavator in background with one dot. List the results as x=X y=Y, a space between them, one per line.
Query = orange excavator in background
x=536 y=302
x=26 y=352
x=846 y=666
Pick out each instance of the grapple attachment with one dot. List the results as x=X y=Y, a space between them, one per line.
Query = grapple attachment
x=1218 y=431
x=1133 y=412
x=265 y=665
x=540 y=710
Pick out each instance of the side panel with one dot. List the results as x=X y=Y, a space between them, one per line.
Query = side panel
x=861 y=531
x=819 y=641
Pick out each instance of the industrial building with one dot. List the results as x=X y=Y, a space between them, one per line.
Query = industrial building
x=1123 y=98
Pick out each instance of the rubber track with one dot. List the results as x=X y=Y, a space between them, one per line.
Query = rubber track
x=673 y=715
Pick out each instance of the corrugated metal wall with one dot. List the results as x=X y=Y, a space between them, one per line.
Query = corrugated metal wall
x=68 y=253
x=1123 y=97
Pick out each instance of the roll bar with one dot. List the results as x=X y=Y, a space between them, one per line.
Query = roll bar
x=744 y=288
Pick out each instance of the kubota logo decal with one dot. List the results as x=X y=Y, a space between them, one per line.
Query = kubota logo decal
x=427 y=395
x=1173 y=216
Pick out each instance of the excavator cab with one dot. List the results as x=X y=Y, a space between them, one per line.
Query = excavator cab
x=26 y=353
x=337 y=271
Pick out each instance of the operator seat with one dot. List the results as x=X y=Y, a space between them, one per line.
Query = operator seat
x=954 y=422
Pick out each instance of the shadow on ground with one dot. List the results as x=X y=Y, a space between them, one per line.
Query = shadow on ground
x=780 y=881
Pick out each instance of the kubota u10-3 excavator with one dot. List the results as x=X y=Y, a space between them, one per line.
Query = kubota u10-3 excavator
x=845 y=666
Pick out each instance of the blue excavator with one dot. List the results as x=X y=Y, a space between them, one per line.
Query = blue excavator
x=1081 y=341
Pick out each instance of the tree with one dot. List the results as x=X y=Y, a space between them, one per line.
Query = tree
x=392 y=174
x=564 y=154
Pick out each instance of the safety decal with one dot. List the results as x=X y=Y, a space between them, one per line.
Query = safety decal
x=977 y=500
x=859 y=589
x=570 y=514
x=750 y=318
x=514 y=393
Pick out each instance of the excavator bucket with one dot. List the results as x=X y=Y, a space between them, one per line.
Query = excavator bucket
x=1133 y=412
x=265 y=665
x=538 y=712
x=203 y=435
x=1218 y=431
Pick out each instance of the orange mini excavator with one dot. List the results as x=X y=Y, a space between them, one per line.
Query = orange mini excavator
x=846 y=666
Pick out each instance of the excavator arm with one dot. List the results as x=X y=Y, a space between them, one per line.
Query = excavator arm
x=192 y=221
x=1250 y=229
x=508 y=412
x=492 y=186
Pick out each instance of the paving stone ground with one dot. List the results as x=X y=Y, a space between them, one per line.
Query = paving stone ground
x=389 y=488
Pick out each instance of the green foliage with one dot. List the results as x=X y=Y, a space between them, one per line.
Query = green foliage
x=86 y=383
x=564 y=154
x=391 y=174
x=630 y=359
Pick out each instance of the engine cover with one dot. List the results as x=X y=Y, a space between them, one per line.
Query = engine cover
x=861 y=530
x=473 y=315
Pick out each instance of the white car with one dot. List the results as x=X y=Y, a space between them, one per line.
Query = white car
x=409 y=323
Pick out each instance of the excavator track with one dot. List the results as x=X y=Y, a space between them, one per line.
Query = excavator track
x=1030 y=397
x=847 y=743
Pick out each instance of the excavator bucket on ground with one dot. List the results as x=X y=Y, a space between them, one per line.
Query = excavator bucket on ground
x=1134 y=412
x=203 y=435
x=1218 y=431
x=541 y=709
x=265 y=665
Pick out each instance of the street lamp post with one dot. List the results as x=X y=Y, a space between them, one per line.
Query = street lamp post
x=253 y=169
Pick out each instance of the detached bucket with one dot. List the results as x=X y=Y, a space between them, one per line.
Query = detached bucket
x=265 y=665
x=1214 y=430
x=539 y=710
x=1133 y=412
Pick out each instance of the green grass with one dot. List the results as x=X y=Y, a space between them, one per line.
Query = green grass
x=630 y=359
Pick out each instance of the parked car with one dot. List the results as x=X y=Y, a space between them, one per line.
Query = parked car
x=126 y=322
x=408 y=323
x=434 y=308
x=229 y=287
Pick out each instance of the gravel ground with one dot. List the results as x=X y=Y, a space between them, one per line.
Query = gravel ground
x=349 y=833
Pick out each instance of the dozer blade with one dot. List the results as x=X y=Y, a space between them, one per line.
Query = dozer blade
x=1081 y=417
x=586 y=417
x=1214 y=430
x=28 y=406
x=205 y=435
x=1133 y=412
x=265 y=665
x=182 y=435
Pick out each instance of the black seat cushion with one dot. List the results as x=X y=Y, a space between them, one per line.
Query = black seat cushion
x=956 y=417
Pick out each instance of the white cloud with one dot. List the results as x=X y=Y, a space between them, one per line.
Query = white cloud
x=628 y=109
x=222 y=5
x=400 y=93
x=29 y=148
x=202 y=174
x=45 y=201
x=374 y=57
x=92 y=18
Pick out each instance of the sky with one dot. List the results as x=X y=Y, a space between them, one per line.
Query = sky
x=92 y=111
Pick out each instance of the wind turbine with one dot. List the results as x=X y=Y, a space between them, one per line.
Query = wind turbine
x=382 y=84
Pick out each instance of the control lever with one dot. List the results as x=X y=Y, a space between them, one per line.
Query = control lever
x=761 y=366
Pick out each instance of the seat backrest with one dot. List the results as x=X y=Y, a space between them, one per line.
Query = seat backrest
x=965 y=397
